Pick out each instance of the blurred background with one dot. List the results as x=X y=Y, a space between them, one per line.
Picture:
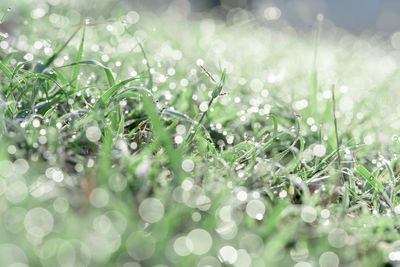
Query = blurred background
x=355 y=16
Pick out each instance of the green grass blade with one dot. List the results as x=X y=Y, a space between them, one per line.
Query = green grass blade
x=150 y=83
x=77 y=67
x=108 y=72
x=6 y=71
x=217 y=91
x=4 y=15
x=50 y=60
x=121 y=124
x=370 y=178
x=105 y=99
x=162 y=135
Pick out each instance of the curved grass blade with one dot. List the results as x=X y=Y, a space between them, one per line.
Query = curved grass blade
x=4 y=15
x=18 y=68
x=61 y=77
x=370 y=178
x=172 y=113
x=6 y=71
x=108 y=72
x=136 y=89
x=105 y=99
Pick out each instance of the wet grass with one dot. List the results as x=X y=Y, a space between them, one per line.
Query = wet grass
x=119 y=146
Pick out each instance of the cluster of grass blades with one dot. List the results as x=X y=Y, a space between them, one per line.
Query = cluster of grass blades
x=104 y=167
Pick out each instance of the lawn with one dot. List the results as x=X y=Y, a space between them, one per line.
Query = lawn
x=132 y=139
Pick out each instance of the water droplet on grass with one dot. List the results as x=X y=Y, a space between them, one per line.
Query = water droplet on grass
x=11 y=149
x=183 y=246
x=227 y=230
x=99 y=198
x=93 y=134
x=201 y=241
x=140 y=246
x=188 y=165
x=308 y=214
x=325 y=213
x=151 y=210
x=329 y=259
x=255 y=209
x=228 y=254
x=303 y=264
x=241 y=195
x=38 y=222
x=178 y=139
x=203 y=107
x=337 y=238
x=60 y=205
x=319 y=150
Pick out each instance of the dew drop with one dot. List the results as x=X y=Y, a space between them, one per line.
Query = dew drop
x=201 y=241
x=151 y=210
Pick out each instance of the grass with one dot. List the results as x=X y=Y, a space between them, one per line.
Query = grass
x=119 y=148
